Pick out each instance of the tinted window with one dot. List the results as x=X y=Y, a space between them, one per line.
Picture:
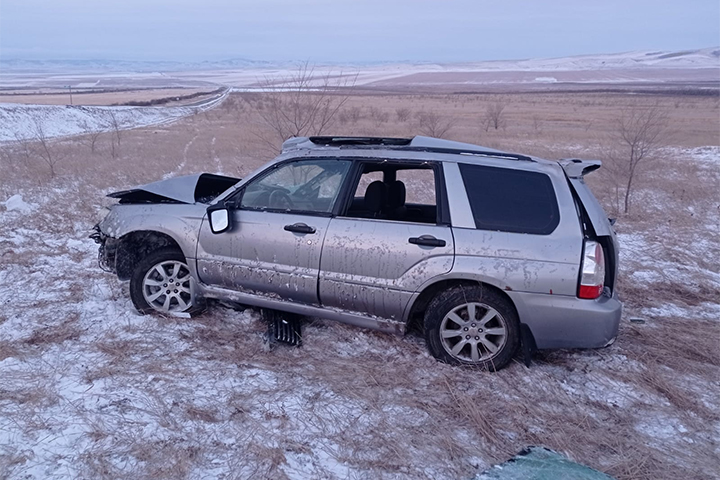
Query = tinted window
x=510 y=200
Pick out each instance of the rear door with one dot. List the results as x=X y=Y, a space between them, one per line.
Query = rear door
x=374 y=258
x=280 y=222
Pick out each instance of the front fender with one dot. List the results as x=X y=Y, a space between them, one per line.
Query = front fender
x=179 y=222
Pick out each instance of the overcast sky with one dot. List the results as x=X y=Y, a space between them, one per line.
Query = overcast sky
x=350 y=30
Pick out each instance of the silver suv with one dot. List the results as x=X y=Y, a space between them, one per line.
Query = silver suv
x=480 y=249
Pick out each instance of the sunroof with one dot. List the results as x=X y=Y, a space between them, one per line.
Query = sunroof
x=337 y=141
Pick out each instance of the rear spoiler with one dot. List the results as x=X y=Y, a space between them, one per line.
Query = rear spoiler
x=576 y=168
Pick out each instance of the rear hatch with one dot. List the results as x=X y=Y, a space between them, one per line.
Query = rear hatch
x=596 y=224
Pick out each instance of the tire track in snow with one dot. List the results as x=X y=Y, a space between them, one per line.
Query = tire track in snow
x=215 y=157
x=184 y=161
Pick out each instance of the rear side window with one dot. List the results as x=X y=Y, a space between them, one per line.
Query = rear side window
x=510 y=200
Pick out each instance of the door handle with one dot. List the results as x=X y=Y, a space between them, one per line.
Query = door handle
x=427 y=241
x=299 y=228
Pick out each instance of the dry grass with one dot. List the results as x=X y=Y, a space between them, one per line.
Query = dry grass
x=114 y=395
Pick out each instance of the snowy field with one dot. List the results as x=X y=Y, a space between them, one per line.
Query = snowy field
x=630 y=67
x=90 y=389
x=30 y=122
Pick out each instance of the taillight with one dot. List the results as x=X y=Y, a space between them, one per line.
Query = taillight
x=592 y=274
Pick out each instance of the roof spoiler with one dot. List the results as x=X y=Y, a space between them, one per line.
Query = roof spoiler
x=576 y=168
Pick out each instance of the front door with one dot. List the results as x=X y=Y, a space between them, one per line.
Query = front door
x=280 y=221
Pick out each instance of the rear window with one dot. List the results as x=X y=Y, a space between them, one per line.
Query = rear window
x=510 y=200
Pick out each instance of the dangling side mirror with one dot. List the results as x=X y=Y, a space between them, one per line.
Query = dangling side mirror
x=219 y=218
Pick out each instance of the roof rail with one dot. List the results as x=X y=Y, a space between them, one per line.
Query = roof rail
x=416 y=144
x=340 y=141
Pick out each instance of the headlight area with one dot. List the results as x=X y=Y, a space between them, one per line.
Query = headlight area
x=107 y=250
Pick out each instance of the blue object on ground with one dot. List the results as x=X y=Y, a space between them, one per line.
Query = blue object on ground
x=539 y=463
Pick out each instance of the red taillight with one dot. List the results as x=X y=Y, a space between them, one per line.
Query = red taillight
x=592 y=273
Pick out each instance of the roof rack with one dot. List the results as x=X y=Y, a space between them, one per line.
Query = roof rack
x=341 y=141
x=415 y=144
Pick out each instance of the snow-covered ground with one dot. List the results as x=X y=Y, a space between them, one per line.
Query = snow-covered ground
x=31 y=122
x=90 y=389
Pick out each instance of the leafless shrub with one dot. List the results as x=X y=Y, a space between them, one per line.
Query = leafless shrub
x=47 y=154
x=495 y=116
x=350 y=115
x=91 y=135
x=379 y=116
x=638 y=134
x=302 y=103
x=432 y=124
x=537 y=124
x=114 y=125
x=402 y=114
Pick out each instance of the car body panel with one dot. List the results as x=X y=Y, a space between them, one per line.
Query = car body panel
x=178 y=221
x=370 y=266
x=559 y=321
x=258 y=255
x=200 y=187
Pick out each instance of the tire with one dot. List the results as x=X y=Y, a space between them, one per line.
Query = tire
x=489 y=342
x=151 y=288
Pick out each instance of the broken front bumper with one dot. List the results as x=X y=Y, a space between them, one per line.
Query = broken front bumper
x=107 y=250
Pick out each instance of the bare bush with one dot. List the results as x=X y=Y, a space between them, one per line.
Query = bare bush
x=302 y=103
x=91 y=135
x=350 y=115
x=379 y=116
x=403 y=114
x=495 y=116
x=47 y=154
x=638 y=134
x=114 y=123
x=433 y=124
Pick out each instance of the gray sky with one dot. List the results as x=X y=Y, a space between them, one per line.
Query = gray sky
x=350 y=31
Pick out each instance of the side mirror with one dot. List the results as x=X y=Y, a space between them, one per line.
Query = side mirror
x=219 y=218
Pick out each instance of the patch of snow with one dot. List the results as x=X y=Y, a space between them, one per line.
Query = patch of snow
x=16 y=202
x=27 y=122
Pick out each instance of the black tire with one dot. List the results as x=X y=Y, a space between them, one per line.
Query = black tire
x=163 y=257
x=492 y=313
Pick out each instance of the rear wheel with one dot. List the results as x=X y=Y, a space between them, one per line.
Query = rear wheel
x=161 y=282
x=472 y=325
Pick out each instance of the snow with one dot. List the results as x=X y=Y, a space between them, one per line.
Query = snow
x=16 y=203
x=28 y=122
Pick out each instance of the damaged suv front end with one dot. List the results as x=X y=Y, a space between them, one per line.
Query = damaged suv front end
x=163 y=214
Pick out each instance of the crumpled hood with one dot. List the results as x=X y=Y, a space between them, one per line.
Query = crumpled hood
x=200 y=187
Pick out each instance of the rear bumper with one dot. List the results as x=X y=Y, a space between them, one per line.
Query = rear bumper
x=558 y=321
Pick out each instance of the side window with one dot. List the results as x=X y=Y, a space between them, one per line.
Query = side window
x=305 y=186
x=404 y=193
x=510 y=200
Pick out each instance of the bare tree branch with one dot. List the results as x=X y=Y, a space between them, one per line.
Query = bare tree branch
x=433 y=124
x=495 y=116
x=638 y=134
x=301 y=103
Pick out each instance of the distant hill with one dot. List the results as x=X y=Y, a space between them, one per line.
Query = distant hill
x=700 y=58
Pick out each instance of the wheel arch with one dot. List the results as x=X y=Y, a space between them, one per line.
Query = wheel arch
x=417 y=307
x=136 y=245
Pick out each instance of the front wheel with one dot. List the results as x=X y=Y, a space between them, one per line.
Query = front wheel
x=472 y=325
x=161 y=282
